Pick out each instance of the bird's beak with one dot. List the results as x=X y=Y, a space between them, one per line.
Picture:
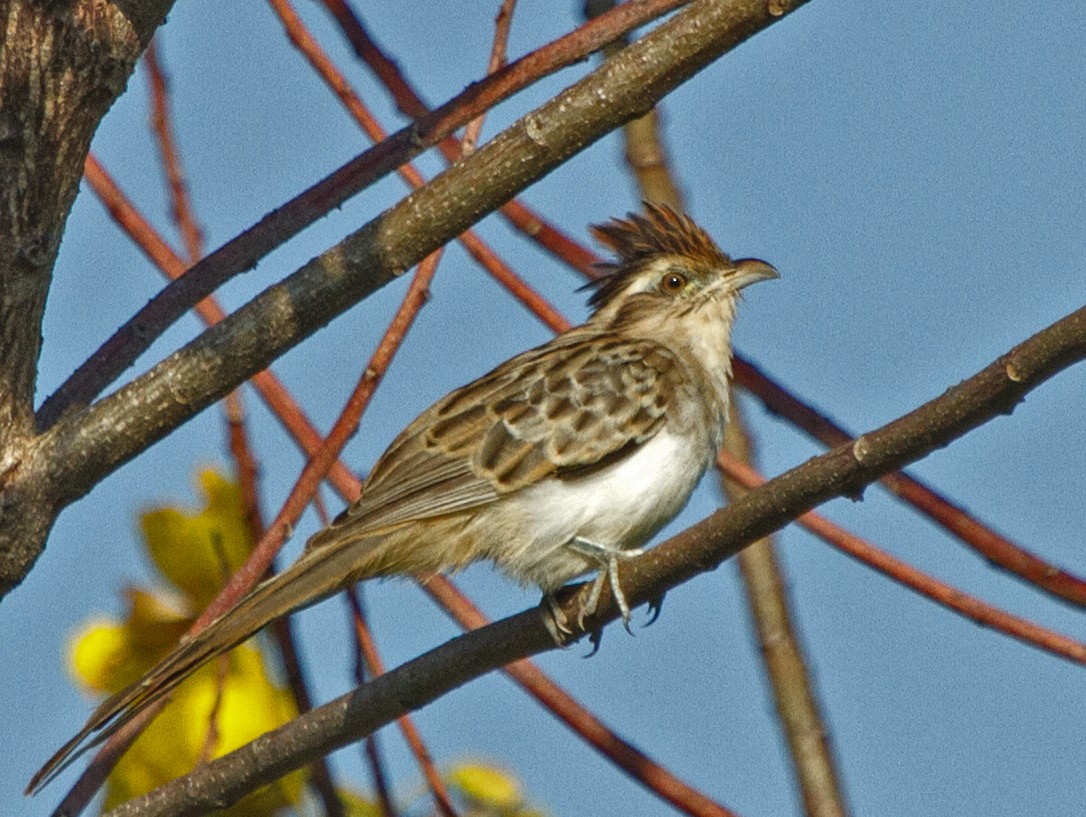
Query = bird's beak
x=750 y=271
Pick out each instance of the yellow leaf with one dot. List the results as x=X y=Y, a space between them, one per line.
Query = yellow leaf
x=106 y=655
x=197 y=552
x=486 y=785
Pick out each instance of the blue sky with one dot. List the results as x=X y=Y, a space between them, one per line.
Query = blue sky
x=915 y=172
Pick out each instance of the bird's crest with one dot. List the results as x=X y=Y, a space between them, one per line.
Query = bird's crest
x=640 y=238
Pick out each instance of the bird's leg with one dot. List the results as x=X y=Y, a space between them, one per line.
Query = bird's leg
x=607 y=557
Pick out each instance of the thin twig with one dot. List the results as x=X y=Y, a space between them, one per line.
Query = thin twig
x=498 y=59
x=993 y=546
x=161 y=125
x=246 y=469
x=782 y=654
x=412 y=106
x=372 y=750
x=303 y=40
x=908 y=576
x=368 y=649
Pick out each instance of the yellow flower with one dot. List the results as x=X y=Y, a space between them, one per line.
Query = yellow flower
x=196 y=552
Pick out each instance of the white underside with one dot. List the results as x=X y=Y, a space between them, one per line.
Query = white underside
x=621 y=506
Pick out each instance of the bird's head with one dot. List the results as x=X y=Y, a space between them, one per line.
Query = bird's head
x=666 y=266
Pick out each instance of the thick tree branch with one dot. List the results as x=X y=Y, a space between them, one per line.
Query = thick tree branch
x=86 y=446
x=844 y=471
x=61 y=67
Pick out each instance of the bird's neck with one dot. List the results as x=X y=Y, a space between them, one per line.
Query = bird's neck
x=699 y=336
x=703 y=339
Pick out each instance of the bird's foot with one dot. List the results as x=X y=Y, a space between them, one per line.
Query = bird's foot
x=608 y=557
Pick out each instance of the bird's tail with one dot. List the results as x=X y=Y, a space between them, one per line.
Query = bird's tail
x=312 y=578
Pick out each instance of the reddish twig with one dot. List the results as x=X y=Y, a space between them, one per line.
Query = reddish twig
x=246 y=468
x=372 y=658
x=478 y=249
x=247 y=471
x=372 y=750
x=242 y=253
x=498 y=59
x=140 y=231
x=950 y=597
x=987 y=542
x=380 y=782
x=516 y=286
x=412 y=106
x=304 y=41
x=180 y=201
x=320 y=463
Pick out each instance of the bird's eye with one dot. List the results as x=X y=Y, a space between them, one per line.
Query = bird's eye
x=673 y=283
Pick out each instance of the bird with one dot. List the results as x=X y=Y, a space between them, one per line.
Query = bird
x=564 y=460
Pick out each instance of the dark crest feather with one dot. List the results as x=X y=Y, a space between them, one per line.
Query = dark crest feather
x=639 y=238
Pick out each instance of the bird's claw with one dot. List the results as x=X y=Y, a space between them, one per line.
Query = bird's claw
x=555 y=620
x=656 y=606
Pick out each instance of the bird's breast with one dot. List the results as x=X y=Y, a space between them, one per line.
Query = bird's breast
x=621 y=505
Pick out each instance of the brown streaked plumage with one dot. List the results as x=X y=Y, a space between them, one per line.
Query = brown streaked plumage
x=563 y=460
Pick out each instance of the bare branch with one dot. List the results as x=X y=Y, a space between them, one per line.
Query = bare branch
x=919 y=582
x=243 y=252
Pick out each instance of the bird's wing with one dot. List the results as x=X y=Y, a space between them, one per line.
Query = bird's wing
x=559 y=410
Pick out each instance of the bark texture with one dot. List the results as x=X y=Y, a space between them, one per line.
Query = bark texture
x=61 y=66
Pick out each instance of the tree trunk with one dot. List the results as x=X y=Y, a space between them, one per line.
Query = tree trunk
x=62 y=63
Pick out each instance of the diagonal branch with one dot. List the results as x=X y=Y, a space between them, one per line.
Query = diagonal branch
x=985 y=540
x=243 y=252
x=844 y=471
x=950 y=597
x=86 y=446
